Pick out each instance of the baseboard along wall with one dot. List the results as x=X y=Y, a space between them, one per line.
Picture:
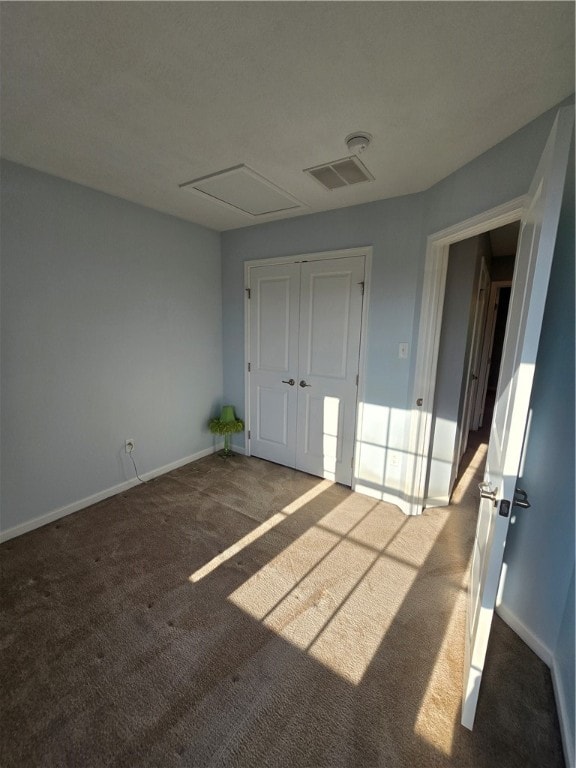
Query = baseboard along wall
x=532 y=641
x=76 y=506
x=566 y=724
x=546 y=655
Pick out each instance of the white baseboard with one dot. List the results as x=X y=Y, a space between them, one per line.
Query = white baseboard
x=76 y=506
x=543 y=652
x=436 y=501
x=377 y=493
x=566 y=722
x=534 y=643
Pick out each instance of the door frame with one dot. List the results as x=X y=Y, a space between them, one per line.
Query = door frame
x=430 y=323
x=365 y=251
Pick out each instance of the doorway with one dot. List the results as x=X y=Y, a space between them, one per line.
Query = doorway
x=488 y=313
x=479 y=275
x=304 y=355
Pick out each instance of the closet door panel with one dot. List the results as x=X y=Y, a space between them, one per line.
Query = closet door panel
x=329 y=347
x=274 y=321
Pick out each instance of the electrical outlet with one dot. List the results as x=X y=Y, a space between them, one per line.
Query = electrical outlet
x=129 y=446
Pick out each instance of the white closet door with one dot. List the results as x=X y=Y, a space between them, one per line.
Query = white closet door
x=329 y=344
x=274 y=321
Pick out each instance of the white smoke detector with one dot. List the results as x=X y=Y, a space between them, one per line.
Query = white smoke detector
x=358 y=141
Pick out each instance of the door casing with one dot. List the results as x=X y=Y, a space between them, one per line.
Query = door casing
x=318 y=256
x=431 y=310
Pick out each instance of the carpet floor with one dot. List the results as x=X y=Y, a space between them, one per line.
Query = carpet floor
x=240 y=614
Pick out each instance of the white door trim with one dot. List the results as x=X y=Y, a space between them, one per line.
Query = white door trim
x=365 y=251
x=431 y=309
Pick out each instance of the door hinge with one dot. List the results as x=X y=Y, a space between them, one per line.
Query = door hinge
x=361 y=284
x=357 y=379
x=248 y=434
x=248 y=292
x=249 y=367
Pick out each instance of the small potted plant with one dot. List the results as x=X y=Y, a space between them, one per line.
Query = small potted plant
x=226 y=425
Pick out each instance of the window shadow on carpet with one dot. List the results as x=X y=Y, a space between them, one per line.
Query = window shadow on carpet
x=333 y=637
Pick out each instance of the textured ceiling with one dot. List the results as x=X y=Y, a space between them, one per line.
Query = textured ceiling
x=136 y=98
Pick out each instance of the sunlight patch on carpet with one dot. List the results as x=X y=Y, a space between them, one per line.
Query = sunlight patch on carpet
x=439 y=714
x=468 y=481
x=331 y=595
x=260 y=531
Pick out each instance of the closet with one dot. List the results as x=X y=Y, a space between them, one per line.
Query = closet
x=304 y=341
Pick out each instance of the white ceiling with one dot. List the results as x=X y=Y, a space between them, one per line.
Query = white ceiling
x=135 y=98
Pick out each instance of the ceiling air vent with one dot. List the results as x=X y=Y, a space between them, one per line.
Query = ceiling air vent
x=340 y=173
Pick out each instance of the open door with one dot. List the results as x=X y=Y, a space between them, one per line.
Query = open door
x=533 y=261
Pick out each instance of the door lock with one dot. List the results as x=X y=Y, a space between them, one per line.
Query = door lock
x=303 y=384
x=289 y=381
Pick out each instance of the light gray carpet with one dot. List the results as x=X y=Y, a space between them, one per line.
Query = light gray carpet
x=237 y=613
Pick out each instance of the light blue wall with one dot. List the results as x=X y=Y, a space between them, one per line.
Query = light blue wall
x=392 y=227
x=540 y=549
x=397 y=229
x=111 y=329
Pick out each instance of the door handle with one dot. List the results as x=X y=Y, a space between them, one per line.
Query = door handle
x=487 y=492
x=303 y=384
x=289 y=381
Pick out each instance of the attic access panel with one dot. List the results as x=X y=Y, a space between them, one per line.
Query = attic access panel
x=245 y=190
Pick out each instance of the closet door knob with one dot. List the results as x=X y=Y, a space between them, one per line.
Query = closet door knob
x=289 y=381
x=303 y=384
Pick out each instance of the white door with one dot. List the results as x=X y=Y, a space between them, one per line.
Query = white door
x=274 y=324
x=305 y=321
x=533 y=261
x=330 y=320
